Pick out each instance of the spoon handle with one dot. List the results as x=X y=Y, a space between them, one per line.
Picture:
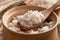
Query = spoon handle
x=48 y=11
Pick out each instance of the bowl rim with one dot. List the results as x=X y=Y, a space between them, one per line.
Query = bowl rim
x=28 y=33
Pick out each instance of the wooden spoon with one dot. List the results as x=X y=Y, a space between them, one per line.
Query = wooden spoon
x=46 y=13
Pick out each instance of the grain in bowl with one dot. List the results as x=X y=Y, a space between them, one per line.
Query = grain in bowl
x=29 y=19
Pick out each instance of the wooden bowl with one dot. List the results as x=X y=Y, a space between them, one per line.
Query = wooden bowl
x=8 y=34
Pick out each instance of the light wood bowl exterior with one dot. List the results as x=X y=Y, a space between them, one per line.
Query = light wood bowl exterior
x=51 y=34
